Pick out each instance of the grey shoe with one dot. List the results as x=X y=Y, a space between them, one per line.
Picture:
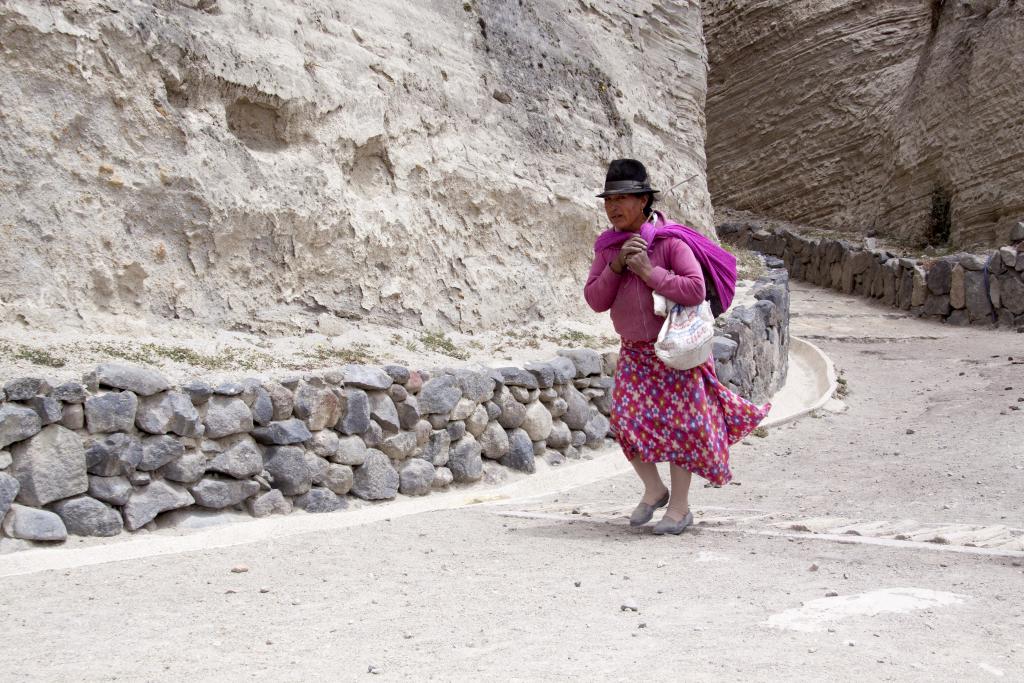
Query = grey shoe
x=667 y=525
x=643 y=512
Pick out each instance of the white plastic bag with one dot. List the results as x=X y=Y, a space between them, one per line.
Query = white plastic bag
x=686 y=338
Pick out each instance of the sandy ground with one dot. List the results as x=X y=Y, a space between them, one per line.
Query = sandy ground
x=533 y=586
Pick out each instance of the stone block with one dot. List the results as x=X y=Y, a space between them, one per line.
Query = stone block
x=85 y=516
x=114 y=412
x=49 y=466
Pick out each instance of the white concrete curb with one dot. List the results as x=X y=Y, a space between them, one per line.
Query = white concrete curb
x=810 y=384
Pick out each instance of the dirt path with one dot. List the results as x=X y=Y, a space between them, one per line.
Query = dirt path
x=534 y=589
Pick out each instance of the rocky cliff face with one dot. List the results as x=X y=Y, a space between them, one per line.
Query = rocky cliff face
x=900 y=116
x=259 y=164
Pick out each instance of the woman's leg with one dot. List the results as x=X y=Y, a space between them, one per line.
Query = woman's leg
x=679 y=504
x=654 y=487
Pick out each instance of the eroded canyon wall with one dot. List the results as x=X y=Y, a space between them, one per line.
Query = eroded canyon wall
x=899 y=116
x=255 y=164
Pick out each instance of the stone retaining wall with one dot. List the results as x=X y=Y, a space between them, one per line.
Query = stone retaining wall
x=962 y=289
x=121 y=447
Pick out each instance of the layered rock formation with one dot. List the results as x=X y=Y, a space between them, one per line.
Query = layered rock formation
x=899 y=116
x=255 y=165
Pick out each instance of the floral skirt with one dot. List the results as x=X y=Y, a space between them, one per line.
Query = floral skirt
x=686 y=417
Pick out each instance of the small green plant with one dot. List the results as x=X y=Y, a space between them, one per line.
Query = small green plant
x=761 y=432
x=32 y=355
x=440 y=343
x=358 y=353
x=749 y=265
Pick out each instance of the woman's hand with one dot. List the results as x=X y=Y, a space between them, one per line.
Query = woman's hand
x=640 y=264
x=633 y=246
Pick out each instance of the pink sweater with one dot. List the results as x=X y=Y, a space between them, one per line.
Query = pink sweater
x=676 y=276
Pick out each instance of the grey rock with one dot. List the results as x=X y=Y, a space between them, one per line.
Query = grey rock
x=577 y=409
x=564 y=369
x=537 y=422
x=113 y=455
x=539 y=448
x=587 y=362
x=319 y=500
x=512 y=411
x=281 y=398
x=596 y=430
x=439 y=395
x=398 y=373
x=493 y=410
x=282 y=433
x=442 y=478
x=325 y=443
x=140 y=478
x=25 y=388
x=317 y=407
x=49 y=410
x=476 y=423
x=383 y=411
x=416 y=478
x=266 y=504
x=548 y=395
x=1017 y=233
x=367 y=377
x=157 y=451
x=609 y=362
x=262 y=407
x=560 y=435
x=5 y=460
x=520 y=455
x=114 y=412
x=517 y=377
x=186 y=469
x=337 y=478
x=354 y=412
x=398 y=393
x=73 y=416
x=241 y=459
x=225 y=416
x=436 y=450
x=437 y=421
x=289 y=468
x=113 y=490
x=604 y=402
x=17 y=423
x=218 y=494
x=579 y=438
x=475 y=385
x=937 y=305
x=373 y=437
x=723 y=348
x=464 y=460
x=229 y=389
x=8 y=492
x=976 y=297
x=973 y=262
x=494 y=441
x=558 y=407
x=49 y=466
x=85 y=516
x=1011 y=295
x=148 y=502
x=544 y=373
x=463 y=409
x=375 y=479
x=70 y=392
x=291 y=383
x=168 y=412
x=422 y=430
x=938 y=277
x=138 y=380
x=408 y=412
x=399 y=446
x=351 y=451
x=198 y=392
x=456 y=430
x=554 y=458
x=31 y=524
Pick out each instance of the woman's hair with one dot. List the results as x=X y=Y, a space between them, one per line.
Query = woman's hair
x=649 y=204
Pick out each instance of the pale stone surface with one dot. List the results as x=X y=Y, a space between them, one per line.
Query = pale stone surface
x=366 y=112
x=148 y=502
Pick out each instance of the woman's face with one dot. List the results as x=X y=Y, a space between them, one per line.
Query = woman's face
x=626 y=211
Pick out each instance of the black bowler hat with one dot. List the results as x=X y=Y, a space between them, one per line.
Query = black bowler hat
x=626 y=176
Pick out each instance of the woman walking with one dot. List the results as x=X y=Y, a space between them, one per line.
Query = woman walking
x=659 y=414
